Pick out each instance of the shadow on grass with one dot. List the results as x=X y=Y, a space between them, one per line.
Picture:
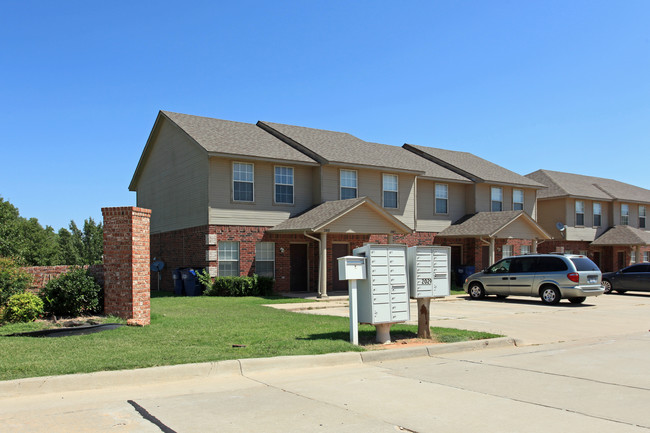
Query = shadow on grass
x=366 y=336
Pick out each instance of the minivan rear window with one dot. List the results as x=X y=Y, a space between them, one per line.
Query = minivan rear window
x=584 y=264
x=551 y=264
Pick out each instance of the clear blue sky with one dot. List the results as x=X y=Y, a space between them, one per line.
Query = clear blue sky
x=559 y=85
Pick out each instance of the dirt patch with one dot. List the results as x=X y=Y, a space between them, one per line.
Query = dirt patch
x=398 y=341
x=53 y=322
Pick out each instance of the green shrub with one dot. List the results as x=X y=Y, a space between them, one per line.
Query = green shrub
x=74 y=293
x=13 y=280
x=23 y=307
x=236 y=286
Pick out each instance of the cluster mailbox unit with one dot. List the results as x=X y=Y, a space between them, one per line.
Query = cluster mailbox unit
x=429 y=271
x=383 y=295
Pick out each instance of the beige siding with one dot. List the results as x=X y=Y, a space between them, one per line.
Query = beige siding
x=484 y=198
x=580 y=234
x=518 y=229
x=428 y=220
x=174 y=181
x=551 y=212
x=370 y=184
x=360 y=220
x=263 y=211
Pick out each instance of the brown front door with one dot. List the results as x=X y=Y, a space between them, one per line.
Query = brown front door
x=597 y=259
x=621 y=260
x=338 y=250
x=456 y=262
x=298 y=257
x=485 y=258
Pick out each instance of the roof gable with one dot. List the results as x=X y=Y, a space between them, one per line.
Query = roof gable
x=356 y=215
x=623 y=235
x=471 y=166
x=506 y=224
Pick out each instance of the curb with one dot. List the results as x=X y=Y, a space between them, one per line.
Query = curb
x=237 y=367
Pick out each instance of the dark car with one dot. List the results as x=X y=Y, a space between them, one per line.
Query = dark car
x=633 y=278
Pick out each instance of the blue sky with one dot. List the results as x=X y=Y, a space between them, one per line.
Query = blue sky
x=558 y=85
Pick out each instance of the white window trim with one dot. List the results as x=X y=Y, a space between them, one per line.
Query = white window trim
x=256 y=254
x=579 y=213
x=492 y=188
x=643 y=217
x=435 y=199
x=600 y=214
x=503 y=251
x=224 y=260
x=232 y=185
x=293 y=191
x=356 y=176
x=627 y=216
x=383 y=204
x=523 y=198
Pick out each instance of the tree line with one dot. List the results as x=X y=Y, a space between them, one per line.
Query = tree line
x=30 y=244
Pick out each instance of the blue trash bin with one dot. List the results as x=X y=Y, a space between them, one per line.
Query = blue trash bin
x=190 y=282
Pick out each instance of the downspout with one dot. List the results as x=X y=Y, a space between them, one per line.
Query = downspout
x=322 y=265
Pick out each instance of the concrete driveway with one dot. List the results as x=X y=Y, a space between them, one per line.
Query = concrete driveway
x=580 y=375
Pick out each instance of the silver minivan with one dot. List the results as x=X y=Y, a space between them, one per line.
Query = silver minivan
x=549 y=276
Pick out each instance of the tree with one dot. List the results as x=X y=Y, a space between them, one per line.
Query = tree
x=79 y=247
x=11 y=239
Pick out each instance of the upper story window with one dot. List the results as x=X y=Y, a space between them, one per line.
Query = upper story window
x=598 y=215
x=390 y=190
x=348 y=184
x=242 y=181
x=641 y=217
x=580 y=213
x=497 y=199
x=517 y=199
x=625 y=215
x=442 y=198
x=284 y=185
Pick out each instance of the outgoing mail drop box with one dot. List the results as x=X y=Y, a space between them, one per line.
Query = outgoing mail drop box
x=352 y=268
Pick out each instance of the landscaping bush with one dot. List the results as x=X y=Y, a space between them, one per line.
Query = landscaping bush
x=13 y=280
x=74 y=293
x=23 y=307
x=236 y=286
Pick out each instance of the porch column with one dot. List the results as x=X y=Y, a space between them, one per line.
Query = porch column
x=534 y=248
x=637 y=252
x=491 y=252
x=322 y=267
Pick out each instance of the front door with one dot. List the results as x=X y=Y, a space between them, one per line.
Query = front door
x=299 y=276
x=338 y=250
x=621 y=259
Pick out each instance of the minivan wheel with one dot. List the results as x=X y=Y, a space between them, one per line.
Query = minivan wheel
x=550 y=295
x=607 y=286
x=476 y=291
x=577 y=300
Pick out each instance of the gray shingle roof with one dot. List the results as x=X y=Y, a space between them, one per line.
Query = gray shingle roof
x=487 y=224
x=343 y=148
x=562 y=184
x=623 y=235
x=323 y=214
x=227 y=137
x=472 y=166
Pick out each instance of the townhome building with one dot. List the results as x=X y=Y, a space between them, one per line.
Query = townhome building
x=286 y=201
x=603 y=218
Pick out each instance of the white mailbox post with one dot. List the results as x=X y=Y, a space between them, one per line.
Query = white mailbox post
x=353 y=268
x=384 y=294
x=430 y=277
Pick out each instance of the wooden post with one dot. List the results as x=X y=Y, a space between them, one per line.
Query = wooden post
x=424 y=329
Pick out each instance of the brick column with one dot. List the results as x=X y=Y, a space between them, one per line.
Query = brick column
x=127 y=275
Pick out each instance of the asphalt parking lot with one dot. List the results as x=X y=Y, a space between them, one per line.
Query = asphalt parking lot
x=574 y=369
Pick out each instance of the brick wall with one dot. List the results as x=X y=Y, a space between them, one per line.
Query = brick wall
x=43 y=274
x=126 y=263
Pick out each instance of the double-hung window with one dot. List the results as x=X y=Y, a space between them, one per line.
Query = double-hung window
x=517 y=199
x=642 y=217
x=348 y=184
x=284 y=185
x=580 y=213
x=646 y=256
x=390 y=190
x=265 y=259
x=524 y=249
x=242 y=182
x=598 y=215
x=228 y=259
x=497 y=199
x=506 y=251
x=442 y=198
x=625 y=215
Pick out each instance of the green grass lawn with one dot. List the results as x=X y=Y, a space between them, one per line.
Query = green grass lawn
x=189 y=330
